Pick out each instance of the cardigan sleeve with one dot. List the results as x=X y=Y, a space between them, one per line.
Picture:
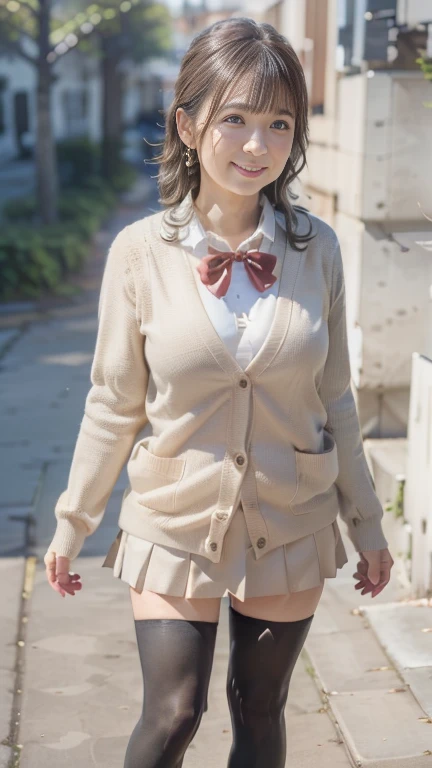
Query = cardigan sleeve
x=359 y=506
x=114 y=409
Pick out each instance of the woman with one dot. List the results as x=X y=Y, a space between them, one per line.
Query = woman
x=221 y=373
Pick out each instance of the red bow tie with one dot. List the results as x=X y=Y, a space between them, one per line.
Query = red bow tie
x=258 y=264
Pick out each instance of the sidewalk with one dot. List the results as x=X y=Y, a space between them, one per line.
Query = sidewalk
x=381 y=708
x=45 y=353
x=70 y=674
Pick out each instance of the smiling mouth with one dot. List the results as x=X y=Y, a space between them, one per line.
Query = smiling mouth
x=251 y=167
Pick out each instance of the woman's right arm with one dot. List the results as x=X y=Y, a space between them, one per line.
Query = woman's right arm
x=114 y=409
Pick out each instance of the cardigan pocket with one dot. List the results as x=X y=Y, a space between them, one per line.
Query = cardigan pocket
x=316 y=472
x=155 y=479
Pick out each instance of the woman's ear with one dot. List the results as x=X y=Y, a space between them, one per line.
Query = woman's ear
x=184 y=127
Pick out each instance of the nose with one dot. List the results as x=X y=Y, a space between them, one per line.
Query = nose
x=256 y=144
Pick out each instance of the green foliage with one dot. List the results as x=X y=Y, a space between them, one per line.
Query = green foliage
x=135 y=30
x=82 y=161
x=13 y=23
x=426 y=67
x=37 y=259
x=139 y=28
x=112 y=162
x=21 y=209
x=398 y=506
x=124 y=178
x=78 y=159
x=25 y=263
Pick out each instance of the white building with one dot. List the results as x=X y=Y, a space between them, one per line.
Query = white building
x=76 y=98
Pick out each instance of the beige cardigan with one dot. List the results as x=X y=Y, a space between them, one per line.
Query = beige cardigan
x=199 y=432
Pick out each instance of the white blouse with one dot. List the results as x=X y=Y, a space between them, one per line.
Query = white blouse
x=242 y=318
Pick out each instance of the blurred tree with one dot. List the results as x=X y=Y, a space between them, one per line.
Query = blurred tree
x=42 y=31
x=135 y=33
x=25 y=31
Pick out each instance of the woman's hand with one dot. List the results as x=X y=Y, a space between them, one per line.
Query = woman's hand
x=59 y=578
x=373 y=571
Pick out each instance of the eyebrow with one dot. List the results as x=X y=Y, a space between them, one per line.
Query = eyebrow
x=248 y=108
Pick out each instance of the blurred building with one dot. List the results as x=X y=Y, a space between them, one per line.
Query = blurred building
x=369 y=175
x=189 y=20
x=77 y=96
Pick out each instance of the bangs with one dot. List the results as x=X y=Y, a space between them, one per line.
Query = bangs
x=262 y=83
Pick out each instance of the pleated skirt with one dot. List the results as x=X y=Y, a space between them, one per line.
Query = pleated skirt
x=292 y=567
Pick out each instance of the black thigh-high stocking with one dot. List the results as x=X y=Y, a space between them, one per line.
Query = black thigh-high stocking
x=263 y=655
x=176 y=658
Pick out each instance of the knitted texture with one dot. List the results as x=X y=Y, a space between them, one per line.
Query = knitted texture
x=197 y=431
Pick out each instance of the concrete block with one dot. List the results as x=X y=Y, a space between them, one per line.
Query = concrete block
x=399 y=630
x=379 y=726
x=5 y=756
x=349 y=661
x=11 y=574
x=420 y=682
x=398 y=627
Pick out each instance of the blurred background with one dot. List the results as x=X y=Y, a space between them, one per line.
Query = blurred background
x=83 y=88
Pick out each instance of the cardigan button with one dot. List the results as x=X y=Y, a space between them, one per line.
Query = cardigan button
x=240 y=460
x=261 y=543
x=243 y=383
x=213 y=546
x=221 y=515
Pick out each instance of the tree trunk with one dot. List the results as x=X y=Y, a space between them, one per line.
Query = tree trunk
x=46 y=160
x=112 y=110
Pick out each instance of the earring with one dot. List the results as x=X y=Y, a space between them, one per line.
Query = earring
x=189 y=160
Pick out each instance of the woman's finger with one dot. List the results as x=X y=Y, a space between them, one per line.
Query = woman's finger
x=59 y=577
x=50 y=566
x=69 y=587
x=69 y=582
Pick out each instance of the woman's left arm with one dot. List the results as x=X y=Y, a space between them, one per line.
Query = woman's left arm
x=359 y=505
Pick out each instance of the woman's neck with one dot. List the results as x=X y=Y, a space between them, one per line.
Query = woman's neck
x=231 y=217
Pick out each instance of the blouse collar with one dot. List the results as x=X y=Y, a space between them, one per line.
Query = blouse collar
x=193 y=234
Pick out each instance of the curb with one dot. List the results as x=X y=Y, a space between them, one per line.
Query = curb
x=372 y=701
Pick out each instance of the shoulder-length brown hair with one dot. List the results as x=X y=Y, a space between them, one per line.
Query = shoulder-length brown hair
x=228 y=52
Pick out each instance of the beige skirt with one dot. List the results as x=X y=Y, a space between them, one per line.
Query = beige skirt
x=292 y=567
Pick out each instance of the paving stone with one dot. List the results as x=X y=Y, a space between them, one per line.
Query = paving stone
x=420 y=682
x=342 y=668
x=399 y=629
x=382 y=726
x=12 y=575
x=5 y=756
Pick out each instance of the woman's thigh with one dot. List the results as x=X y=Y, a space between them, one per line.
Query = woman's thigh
x=152 y=605
x=292 y=607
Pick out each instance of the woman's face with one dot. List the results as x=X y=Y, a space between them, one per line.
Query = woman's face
x=238 y=137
